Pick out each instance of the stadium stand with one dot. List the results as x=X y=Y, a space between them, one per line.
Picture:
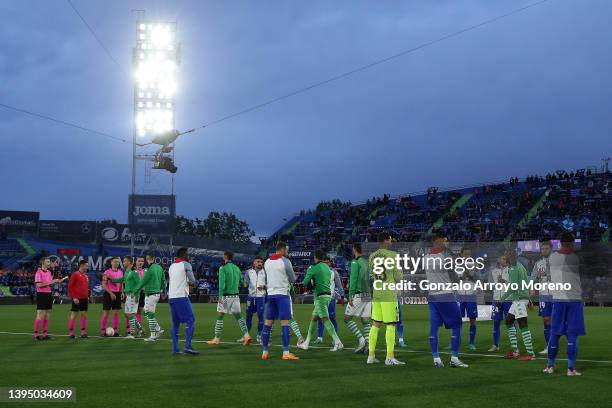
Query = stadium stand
x=534 y=208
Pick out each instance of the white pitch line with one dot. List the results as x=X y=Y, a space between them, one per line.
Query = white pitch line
x=310 y=347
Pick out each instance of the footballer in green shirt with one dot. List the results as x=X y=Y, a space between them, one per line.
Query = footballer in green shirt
x=359 y=299
x=518 y=277
x=230 y=282
x=130 y=285
x=320 y=276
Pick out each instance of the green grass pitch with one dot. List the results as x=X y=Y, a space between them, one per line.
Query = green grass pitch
x=122 y=372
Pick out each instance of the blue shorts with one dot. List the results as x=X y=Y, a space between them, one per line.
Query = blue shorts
x=279 y=307
x=255 y=304
x=181 y=310
x=446 y=313
x=499 y=311
x=545 y=309
x=567 y=318
x=469 y=310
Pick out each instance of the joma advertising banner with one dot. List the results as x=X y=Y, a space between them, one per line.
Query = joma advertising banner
x=152 y=214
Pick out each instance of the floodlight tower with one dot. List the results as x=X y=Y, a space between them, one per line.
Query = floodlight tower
x=155 y=60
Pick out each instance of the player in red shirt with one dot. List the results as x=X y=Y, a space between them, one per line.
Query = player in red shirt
x=78 y=290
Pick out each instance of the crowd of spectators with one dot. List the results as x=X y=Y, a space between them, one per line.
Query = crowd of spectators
x=533 y=208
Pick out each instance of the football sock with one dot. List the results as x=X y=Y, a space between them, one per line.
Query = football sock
x=400 y=329
x=546 y=333
x=295 y=327
x=83 y=324
x=512 y=337
x=553 y=349
x=329 y=326
x=265 y=337
x=572 y=350
x=332 y=319
x=116 y=322
x=433 y=341
x=260 y=322
x=71 y=325
x=153 y=325
x=45 y=326
x=103 y=323
x=176 y=325
x=319 y=328
x=373 y=337
x=456 y=340
x=472 y=333
x=218 y=327
x=390 y=339
x=353 y=328
x=496 y=332
x=139 y=318
x=128 y=325
x=242 y=324
x=189 y=329
x=249 y=319
x=527 y=340
x=175 y=335
x=311 y=331
x=367 y=326
x=285 y=337
x=132 y=320
x=36 y=326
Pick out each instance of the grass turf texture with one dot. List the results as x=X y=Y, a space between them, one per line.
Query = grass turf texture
x=122 y=372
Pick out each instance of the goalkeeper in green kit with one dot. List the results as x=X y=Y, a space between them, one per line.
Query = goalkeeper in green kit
x=321 y=277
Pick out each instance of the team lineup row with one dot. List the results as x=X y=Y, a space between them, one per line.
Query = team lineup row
x=270 y=285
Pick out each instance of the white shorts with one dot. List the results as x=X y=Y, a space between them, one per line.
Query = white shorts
x=230 y=304
x=362 y=307
x=131 y=304
x=519 y=308
x=151 y=303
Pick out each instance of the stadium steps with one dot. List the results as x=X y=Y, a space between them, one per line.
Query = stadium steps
x=291 y=227
x=27 y=247
x=374 y=212
x=456 y=205
x=264 y=251
x=533 y=211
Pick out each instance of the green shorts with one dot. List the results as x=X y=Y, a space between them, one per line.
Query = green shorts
x=321 y=306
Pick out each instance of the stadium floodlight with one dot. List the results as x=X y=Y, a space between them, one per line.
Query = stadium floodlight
x=166 y=137
x=155 y=60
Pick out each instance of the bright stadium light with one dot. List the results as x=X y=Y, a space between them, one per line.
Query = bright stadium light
x=155 y=59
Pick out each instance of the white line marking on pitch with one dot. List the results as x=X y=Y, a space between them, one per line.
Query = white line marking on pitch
x=312 y=347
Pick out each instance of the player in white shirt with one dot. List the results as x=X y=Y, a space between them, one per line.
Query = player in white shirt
x=180 y=276
x=468 y=304
x=255 y=281
x=279 y=277
x=499 y=309
x=541 y=273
